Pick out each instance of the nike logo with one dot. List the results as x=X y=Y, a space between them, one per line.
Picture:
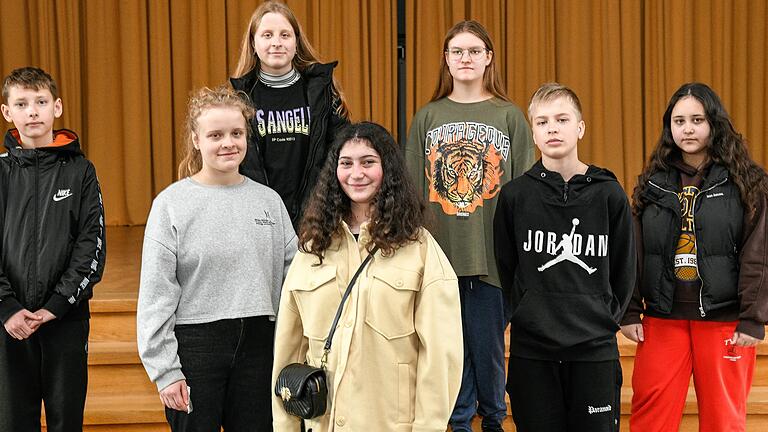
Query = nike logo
x=62 y=194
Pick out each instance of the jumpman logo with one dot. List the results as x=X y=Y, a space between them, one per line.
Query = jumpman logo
x=566 y=244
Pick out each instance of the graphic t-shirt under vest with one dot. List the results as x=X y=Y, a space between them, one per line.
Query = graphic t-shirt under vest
x=687 y=280
x=282 y=124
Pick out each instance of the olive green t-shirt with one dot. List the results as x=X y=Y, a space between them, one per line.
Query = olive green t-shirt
x=459 y=155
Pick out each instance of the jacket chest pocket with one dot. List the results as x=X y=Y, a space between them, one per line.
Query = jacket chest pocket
x=317 y=298
x=391 y=302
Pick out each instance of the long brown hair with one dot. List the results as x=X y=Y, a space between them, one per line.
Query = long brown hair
x=726 y=147
x=397 y=211
x=199 y=101
x=491 y=80
x=305 y=57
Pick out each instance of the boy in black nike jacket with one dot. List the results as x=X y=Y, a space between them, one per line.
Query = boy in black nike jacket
x=564 y=247
x=51 y=254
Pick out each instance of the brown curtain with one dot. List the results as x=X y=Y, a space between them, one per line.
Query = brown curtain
x=623 y=58
x=126 y=68
x=723 y=44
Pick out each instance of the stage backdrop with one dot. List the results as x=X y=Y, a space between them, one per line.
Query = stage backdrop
x=125 y=68
x=623 y=58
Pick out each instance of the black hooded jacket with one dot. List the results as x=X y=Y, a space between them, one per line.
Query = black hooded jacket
x=324 y=123
x=566 y=258
x=52 y=224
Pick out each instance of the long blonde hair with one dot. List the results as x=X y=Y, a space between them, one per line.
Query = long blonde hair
x=199 y=101
x=305 y=57
x=491 y=81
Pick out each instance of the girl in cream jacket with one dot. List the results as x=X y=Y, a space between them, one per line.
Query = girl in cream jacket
x=395 y=362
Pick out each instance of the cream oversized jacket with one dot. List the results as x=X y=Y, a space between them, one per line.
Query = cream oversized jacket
x=396 y=359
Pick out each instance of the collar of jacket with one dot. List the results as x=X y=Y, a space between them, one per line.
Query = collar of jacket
x=346 y=236
x=670 y=179
x=65 y=142
x=318 y=70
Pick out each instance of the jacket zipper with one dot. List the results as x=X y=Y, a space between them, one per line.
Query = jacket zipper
x=677 y=200
x=698 y=273
x=702 y=312
x=255 y=133
x=313 y=148
x=565 y=192
x=34 y=234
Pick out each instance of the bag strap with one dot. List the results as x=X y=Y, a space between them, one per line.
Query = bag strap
x=327 y=347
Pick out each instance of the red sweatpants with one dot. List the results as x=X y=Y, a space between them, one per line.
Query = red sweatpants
x=673 y=349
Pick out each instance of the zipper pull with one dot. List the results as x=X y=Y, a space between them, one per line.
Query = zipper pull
x=565 y=192
x=701 y=311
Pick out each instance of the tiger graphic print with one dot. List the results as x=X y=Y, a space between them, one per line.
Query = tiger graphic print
x=464 y=165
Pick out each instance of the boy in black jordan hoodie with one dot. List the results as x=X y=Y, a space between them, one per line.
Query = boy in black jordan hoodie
x=51 y=255
x=564 y=247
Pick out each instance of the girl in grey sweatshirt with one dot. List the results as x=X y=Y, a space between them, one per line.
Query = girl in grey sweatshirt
x=216 y=249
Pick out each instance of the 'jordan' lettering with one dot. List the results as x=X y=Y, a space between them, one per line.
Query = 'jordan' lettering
x=539 y=241
x=570 y=247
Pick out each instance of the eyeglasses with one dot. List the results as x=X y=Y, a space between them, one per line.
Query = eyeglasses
x=475 y=53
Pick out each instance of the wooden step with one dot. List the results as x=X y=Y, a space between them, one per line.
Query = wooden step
x=119 y=379
x=101 y=352
x=759 y=377
x=114 y=326
x=124 y=409
x=757 y=417
x=627 y=348
x=757 y=403
x=690 y=423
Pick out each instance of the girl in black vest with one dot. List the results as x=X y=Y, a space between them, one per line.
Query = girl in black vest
x=700 y=212
x=298 y=104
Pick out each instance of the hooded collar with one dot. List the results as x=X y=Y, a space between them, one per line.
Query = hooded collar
x=65 y=142
x=558 y=191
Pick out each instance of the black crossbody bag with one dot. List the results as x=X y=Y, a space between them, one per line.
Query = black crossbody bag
x=303 y=388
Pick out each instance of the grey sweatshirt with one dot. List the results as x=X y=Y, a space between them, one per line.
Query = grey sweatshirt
x=210 y=253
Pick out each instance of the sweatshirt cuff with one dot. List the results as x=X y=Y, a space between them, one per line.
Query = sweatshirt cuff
x=631 y=318
x=57 y=305
x=752 y=328
x=8 y=307
x=169 y=378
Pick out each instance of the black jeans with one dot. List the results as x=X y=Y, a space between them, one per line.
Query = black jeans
x=228 y=367
x=568 y=396
x=52 y=366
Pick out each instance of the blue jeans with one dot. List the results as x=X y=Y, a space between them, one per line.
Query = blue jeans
x=482 y=382
x=228 y=367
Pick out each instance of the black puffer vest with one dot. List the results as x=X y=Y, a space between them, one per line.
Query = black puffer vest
x=718 y=217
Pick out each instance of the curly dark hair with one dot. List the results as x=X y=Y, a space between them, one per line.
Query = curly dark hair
x=726 y=147
x=398 y=212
